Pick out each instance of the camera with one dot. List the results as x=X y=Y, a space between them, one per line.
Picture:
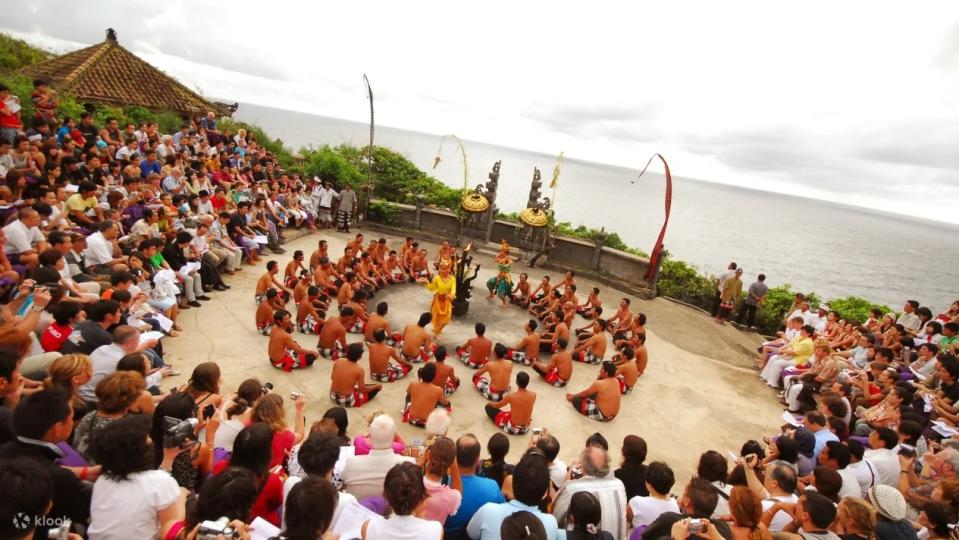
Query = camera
x=209 y=530
x=576 y=472
x=537 y=431
x=907 y=450
x=177 y=432
x=695 y=526
x=267 y=387
x=295 y=396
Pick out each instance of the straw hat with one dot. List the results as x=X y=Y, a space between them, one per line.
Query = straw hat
x=888 y=501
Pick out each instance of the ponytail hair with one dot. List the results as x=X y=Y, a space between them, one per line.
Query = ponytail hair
x=249 y=392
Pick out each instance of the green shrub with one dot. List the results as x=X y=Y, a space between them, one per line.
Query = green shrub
x=16 y=54
x=853 y=308
x=682 y=281
x=383 y=212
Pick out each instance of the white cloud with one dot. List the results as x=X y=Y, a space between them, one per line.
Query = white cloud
x=852 y=102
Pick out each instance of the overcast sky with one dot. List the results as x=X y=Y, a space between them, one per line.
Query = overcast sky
x=853 y=102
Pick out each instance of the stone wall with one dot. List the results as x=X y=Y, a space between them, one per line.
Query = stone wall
x=618 y=268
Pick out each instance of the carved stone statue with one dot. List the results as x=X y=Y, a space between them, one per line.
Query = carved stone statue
x=493 y=179
x=461 y=304
x=534 y=191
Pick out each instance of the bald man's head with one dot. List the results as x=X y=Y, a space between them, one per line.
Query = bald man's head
x=467 y=452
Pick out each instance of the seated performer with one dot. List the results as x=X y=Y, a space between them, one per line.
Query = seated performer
x=622 y=318
x=322 y=251
x=382 y=356
x=475 y=353
x=301 y=285
x=541 y=292
x=393 y=269
x=548 y=341
x=627 y=372
x=348 y=387
x=636 y=328
x=559 y=368
x=517 y=419
x=521 y=293
x=639 y=353
x=264 y=312
x=496 y=386
x=358 y=305
x=418 y=344
x=420 y=266
x=267 y=280
x=601 y=401
x=292 y=268
x=324 y=277
x=285 y=353
x=527 y=350
x=593 y=349
x=308 y=320
x=377 y=321
x=588 y=309
x=332 y=342
x=423 y=396
x=445 y=374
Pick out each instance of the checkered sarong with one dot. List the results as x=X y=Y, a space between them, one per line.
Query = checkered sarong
x=264 y=328
x=358 y=327
x=588 y=357
x=292 y=360
x=332 y=353
x=394 y=372
x=425 y=354
x=504 y=421
x=519 y=357
x=588 y=408
x=553 y=378
x=355 y=399
x=452 y=384
x=309 y=325
x=623 y=389
x=464 y=354
x=482 y=384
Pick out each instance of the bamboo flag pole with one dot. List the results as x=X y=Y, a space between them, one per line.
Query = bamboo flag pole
x=462 y=148
x=555 y=182
x=369 y=152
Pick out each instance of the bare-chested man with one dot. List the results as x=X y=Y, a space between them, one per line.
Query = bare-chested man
x=377 y=321
x=356 y=244
x=382 y=356
x=601 y=401
x=547 y=342
x=418 y=344
x=593 y=349
x=285 y=353
x=408 y=245
x=393 y=269
x=627 y=372
x=268 y=280
x=475 y=353
x=445 y=252
x=638 y=328
x=322 y=250
x=308 y=319
x=346 y=290
x=348 y=387
x=423 y=396
x=569 y=297
x=541 y=291
x=620 y=320
x=358 y=304
x=368 y=273
x=409 y=253
x=293 y=268
x=569 y=280
x=332 y=343
x=559 y=369
x=500 y=369
x=639 y=353
x=420 y=267
x=324 y=276
x=517 y=419
x=527 y=350
x=378 y=252
x=346 y=261
x=522 y=291
x=588 y=309
x=301 y=286
x=546 y=305
x=445 y=374
x=264 y=312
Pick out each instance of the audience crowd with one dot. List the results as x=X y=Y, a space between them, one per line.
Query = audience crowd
x=111 y=231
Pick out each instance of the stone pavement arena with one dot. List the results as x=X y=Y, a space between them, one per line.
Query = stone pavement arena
x=685 y=403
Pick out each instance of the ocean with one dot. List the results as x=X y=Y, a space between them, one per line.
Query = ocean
x=833 y=249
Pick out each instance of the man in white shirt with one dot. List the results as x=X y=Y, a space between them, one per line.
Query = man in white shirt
x=549 y=445
x=222 y=245
x=363 y=476
x=99 y=252
x=778 y=486
x=148 y=226
x=323 y=196
x=126 y=151
x=909 y=319
x=837 y=456
x=204 y=206
x=24 y=240
x=884 y=457
x=609 y=490
x=126 y=340
x=864 y=470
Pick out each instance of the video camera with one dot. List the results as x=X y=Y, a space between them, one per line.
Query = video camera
x=177 y=432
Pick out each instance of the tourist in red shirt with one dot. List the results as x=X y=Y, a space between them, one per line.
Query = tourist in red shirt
x=57 y=333
x=251 y=450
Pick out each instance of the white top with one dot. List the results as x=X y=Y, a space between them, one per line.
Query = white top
x=104 y=359
x=324 y=195
x=128 y=508
x=781 y=519
x=403 y=528
x=886 y=464
x=647 y=509
x=205 y=207
x=557 y=473
x=99 y=249
x=20 y=238
x=722 y=503
x=363 y=475
x=228 y=430
x=865 y=474
x=850 y=484
x=612 y=499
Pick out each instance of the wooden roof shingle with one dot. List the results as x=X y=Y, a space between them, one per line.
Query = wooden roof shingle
x=109 y=74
